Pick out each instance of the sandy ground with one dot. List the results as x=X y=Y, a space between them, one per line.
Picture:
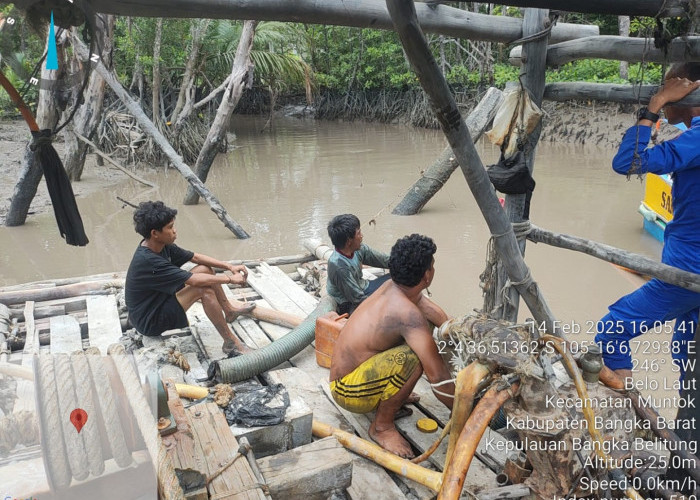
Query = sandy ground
x=574 y=122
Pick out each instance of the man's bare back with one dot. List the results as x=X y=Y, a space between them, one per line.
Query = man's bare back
x=387 y=344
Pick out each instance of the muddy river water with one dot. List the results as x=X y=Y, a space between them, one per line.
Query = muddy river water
x=284 y=186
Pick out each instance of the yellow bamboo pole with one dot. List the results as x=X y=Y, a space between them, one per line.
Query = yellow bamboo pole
x=456 y=469
x=468 y=381
x=426 y=477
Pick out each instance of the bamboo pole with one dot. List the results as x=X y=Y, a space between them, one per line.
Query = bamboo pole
x=633 y=261
x=456 y=469
x=149 y=128
x=443 y=104
x=379 y=455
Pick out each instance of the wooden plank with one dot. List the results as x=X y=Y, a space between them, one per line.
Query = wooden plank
x=309 y=472
x=104 y=327
x=211 y=432
x=272 y=294
x=251 y=334
x=298 y=295
x=197 y=372
x=208 y=339
x=65 y=334
x=180 y=445
x=25 y=388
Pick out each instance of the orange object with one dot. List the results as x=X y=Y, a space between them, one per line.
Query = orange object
x=328 y=328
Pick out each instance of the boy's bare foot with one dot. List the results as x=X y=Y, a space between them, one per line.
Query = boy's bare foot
x=239 y=311
x=231 y=347
x=391 y=441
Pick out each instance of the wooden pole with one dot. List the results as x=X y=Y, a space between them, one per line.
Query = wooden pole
x=686 y=49
x=626 y=94
x=619 y=257
x=532 y=75
x=434 y=18
x=148 y=127
x=651 y=8
x=437 y=174
x=443 y=104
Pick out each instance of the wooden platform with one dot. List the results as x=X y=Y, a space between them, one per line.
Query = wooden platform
x=95 y=319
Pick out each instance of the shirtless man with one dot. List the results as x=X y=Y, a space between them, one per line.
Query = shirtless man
x=386 y=345
x=158 y=292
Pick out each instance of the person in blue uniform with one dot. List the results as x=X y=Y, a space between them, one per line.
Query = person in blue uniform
x=657 y=302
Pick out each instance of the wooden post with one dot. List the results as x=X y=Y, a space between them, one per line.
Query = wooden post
x=611 y=92
x=149 y=127
x=442 y=102
x=532 y=75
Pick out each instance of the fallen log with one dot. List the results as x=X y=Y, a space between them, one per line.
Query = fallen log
x=633 y=261
x=437 y=174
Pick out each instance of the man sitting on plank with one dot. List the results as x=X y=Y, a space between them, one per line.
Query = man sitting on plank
x=387 y=344
x=158 y=292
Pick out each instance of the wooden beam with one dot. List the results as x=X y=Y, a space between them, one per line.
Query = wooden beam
x=619 y=48
x=308 y=471
x=104 y=327
x=619 y=257
x=443 y=104
x=650 y=8
x=626 y=94
x=356 y=13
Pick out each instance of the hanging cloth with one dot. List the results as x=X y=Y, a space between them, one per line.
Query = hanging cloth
x=516 y=118
x=70 y=224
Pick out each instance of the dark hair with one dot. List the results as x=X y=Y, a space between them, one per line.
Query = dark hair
x=411 y=256
x=689 y=70
x=152 y=215
x=342 y=228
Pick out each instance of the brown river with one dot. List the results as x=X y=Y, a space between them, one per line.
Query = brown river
x=284 y=187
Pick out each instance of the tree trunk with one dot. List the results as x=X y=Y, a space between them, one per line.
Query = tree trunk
x=88 y=116
x=198 y=29
x=217 y=132
x=47 y=116
x=149 y=128
x=443 y=104
x=532 y=75
x=156 y=84
x=623 y=23
x=437 y=174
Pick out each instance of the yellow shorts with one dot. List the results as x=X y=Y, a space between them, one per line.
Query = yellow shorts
x=375 y=380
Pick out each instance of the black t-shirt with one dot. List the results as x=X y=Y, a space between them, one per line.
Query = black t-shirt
x=151 y=280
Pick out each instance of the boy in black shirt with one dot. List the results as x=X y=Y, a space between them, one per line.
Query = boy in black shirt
x=158 y=292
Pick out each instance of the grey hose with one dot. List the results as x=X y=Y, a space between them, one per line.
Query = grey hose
x=244 y=367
